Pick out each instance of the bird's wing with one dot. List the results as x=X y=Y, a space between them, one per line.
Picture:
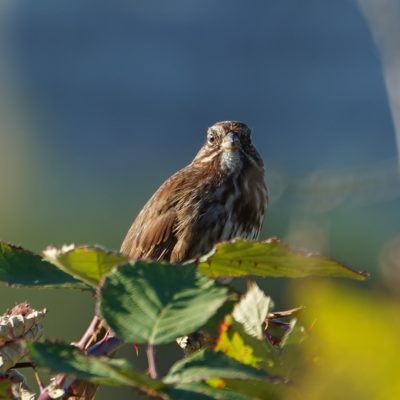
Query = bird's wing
x=151 y=237
x=153 y=233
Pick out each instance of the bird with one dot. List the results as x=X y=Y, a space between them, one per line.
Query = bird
x=219 y=196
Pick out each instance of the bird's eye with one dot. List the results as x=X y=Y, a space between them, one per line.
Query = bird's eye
x=211 y=139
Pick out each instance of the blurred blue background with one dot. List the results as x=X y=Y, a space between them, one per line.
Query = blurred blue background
x=100 y=102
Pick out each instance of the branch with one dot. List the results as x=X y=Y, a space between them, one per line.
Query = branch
x=151 y=360
x=90 y=333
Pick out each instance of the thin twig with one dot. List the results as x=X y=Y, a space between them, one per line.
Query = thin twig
x=90 y=333
x=38 y=379
x=151 y=361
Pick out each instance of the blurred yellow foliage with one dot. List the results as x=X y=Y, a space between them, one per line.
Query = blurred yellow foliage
x=353 y=348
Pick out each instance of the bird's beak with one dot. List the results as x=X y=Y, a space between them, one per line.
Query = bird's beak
x=231 y=141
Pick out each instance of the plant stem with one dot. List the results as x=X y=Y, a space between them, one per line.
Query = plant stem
x=38 y=379
x=151 y=361
x=90 y=333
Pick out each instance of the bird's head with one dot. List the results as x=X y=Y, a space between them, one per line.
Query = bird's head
x=229 y=144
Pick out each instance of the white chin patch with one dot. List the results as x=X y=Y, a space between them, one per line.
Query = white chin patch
x=231 y=160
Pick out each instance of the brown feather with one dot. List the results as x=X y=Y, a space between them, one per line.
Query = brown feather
x=203 y=203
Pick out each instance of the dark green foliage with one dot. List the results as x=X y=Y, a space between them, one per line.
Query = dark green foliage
x=60 y=357
x=154 y=303
x=20 y=267
x=207 y=364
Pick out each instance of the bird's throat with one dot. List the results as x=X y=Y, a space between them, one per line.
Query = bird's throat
x=231 y=161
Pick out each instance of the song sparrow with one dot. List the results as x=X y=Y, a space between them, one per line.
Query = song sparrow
x=220 y=195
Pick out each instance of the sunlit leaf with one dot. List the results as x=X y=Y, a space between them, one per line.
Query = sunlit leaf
x=270 y=258
x=207 y=364
x=233 y=345
x=237 y=344
x=59 y=357
x=86 y=263
x=252 y=311
x=20 y=267
x=156 y=303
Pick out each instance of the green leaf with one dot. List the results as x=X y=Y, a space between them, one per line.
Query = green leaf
x=233 y=345
x=200 y=391
x=186 y=394
x=237 y=344
x=20 y=267
x=86 y=263
x=270 y=258
x=232 y=342
x=156 y=303
x=60 y=357
x=252 y=311
x=257 y=390
x=207 y=364
x=213 y=326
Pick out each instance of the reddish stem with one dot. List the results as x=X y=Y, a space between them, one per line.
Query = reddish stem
x=91 y=332
x=151 y=360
